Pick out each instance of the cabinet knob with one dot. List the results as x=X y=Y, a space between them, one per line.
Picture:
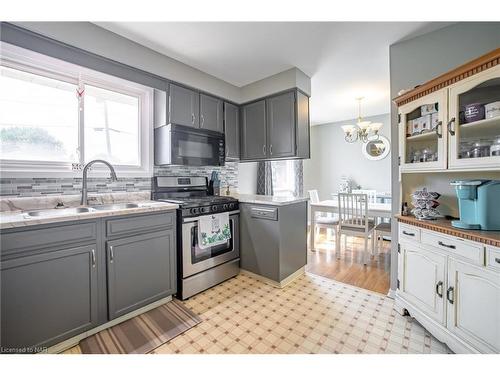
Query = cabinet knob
x=409 y=234
x=497 y=260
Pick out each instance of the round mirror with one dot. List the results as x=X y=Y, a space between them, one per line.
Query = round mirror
x=376 y=149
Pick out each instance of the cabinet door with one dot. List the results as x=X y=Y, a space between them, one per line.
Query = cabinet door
x=474 y=305
x=211 y=113
x=423 y=137
x=141 y=270
x=232 y=131
x=281 y=125
x=475 y=141
x=253 y=131
x=303 y=126
x=422 y=280
x=184 y=106
x=48 y=298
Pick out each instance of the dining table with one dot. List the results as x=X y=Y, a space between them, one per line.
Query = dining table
x=382 y=210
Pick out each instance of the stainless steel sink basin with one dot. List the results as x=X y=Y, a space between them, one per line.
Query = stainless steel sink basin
x=116 y=206
x=60 y=212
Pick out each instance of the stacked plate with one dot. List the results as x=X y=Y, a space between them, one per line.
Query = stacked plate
x=425 y=204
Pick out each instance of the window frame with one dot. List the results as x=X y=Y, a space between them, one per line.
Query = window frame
x=35 y=63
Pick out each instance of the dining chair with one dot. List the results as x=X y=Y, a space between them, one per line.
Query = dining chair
x=379 y=230
x=354 y=221
x=372 y=194
x=327 y=221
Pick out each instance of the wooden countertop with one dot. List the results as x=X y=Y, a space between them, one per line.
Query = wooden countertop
x=444 y=226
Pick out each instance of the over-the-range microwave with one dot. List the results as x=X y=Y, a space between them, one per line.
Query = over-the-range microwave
x=184 y=145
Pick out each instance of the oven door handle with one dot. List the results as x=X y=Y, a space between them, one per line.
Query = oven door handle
x=191 y=219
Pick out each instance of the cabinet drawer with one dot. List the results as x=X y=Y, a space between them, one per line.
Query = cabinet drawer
x=19 y=241
x=409 y=232
x=126 y=225
x=493 y=257
x=269 y=213
x=472 y=251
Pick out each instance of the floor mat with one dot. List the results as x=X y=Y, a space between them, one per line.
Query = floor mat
x=144 y=332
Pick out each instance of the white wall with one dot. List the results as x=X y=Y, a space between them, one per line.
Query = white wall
x=332 y=157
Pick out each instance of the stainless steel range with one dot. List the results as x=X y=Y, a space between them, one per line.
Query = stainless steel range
x=199 y=269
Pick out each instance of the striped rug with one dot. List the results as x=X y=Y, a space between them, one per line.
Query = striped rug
x=142 y=333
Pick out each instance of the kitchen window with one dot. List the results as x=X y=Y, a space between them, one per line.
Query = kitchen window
x=56 y=116
x=287 y=178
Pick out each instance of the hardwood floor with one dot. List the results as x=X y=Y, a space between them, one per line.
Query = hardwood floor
x=349 y=269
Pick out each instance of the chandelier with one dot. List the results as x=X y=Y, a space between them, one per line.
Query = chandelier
x=363 y=130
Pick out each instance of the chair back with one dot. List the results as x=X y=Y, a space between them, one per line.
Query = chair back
x=372 y=194
x=353 y=210
x=313 y=195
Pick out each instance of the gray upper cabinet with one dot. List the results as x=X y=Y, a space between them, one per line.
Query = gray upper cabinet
x=276 y=127
x=281 y=125
x=253 y=131
x=232 y=131
x=184 y=106
x=48 y=297
x=211 y=113
x=141 y=270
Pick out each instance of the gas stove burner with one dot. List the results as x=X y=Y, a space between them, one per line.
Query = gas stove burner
x=191 y=196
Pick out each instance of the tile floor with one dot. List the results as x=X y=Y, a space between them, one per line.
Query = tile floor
x=311 y=315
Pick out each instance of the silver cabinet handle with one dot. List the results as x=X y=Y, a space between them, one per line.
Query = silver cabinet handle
x=202 y=120
x=93 y=258
x=452 y=121
x=271 y=149
x=439 y=289
x=439 y=126
x=111 y=254
x=192 y=118
x=449 y=293
x=264 y=149
x=409 y=234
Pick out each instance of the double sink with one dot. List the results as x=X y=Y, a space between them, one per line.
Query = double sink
x=81 y=210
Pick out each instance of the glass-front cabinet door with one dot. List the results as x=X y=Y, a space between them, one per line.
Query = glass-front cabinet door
x=422 y=137
x=474 y=122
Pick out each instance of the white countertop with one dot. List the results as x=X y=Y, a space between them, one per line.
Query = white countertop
x=15 y=210
x=268 y=199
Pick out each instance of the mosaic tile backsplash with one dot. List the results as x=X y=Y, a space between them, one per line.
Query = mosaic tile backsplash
x=29 y=187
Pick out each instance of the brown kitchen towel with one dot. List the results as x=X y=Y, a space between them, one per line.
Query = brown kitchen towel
x=144 y=332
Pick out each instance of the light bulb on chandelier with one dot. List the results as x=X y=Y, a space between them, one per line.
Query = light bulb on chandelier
x=363 y=130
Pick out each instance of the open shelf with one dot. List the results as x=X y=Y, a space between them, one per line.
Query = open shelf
x=419 y=137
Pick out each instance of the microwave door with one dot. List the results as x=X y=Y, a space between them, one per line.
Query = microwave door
x=190 y=148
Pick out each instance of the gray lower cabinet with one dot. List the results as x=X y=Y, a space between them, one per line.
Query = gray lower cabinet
x=59 y=280
x=48 y=297
x=276 y=127
x=141 y=270
x=183 y=106
x=273 y=239
x=232 y=131
x=253 y=131
x=211 y=113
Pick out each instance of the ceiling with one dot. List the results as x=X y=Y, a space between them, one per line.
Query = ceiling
x=344 y=59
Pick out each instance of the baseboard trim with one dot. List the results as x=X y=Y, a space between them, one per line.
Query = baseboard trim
x=69 y=343
x=283 y=283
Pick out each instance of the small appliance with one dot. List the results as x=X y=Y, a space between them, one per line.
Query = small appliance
x=184 y=145
x=199 y=268
x=478 y=204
